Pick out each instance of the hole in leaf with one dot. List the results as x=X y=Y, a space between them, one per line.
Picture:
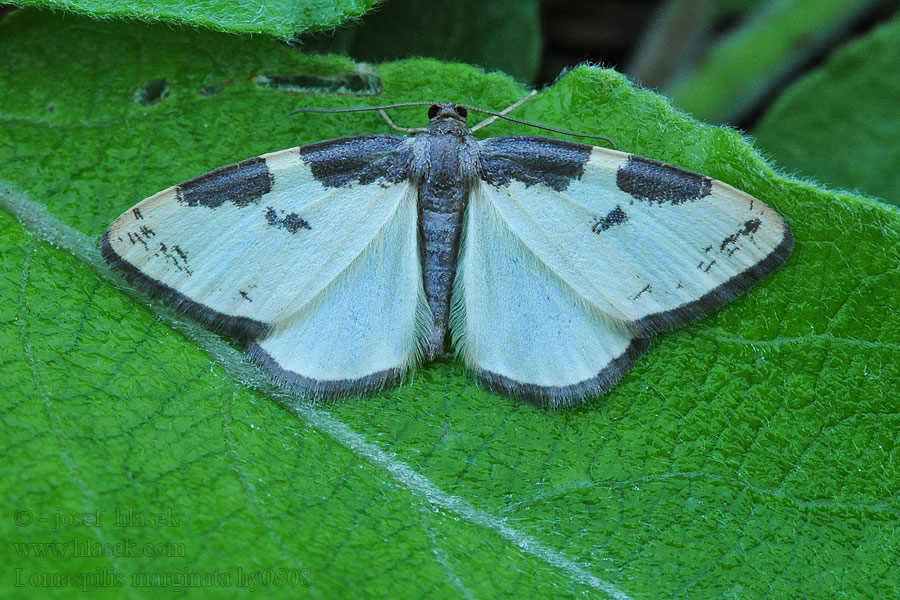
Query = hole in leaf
x=361 y=81
x=152 y=92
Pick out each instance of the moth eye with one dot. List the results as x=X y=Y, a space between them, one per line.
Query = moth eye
x=433 y=111
x=461 y=111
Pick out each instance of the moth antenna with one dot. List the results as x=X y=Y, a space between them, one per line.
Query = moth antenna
x=495 y=115
x=385 y=116
x=506 y=110
x=360 y=108
x=500 y=115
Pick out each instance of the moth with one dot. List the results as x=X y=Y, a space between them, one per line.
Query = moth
x=551 y=264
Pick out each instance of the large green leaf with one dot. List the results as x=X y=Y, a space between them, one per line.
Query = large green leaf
x=841 y=123
x=750 y=454
x=280 y=18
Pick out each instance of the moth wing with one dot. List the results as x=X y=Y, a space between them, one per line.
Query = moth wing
x=309 y=255
x=520 y=328
x=624 y=246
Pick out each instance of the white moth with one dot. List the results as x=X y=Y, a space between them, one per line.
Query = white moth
x=343 y=264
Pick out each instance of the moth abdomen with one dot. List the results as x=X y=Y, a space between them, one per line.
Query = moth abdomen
x=439 y=235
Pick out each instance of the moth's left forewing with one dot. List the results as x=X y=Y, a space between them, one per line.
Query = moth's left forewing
x=309 y=255
x=626 y=244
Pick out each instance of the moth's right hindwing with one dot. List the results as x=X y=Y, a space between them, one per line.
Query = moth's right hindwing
x=521 y=328
x=298 y=253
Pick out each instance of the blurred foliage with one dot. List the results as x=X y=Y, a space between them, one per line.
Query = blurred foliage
x=841 y=123
x=768 y=46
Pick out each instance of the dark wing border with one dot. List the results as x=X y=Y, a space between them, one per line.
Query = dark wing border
x=575 y=394
x=242 y=329
x=719 y=296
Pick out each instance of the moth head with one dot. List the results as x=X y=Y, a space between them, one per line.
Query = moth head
x=441 y=112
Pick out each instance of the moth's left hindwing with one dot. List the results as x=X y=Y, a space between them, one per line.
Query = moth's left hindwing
x=574 y=257
x=309 y=255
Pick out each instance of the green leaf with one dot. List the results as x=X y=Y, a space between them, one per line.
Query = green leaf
x=750 y=454
x=279 y=18
x=752 y=60
x=502 y=35
x=839 y=124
